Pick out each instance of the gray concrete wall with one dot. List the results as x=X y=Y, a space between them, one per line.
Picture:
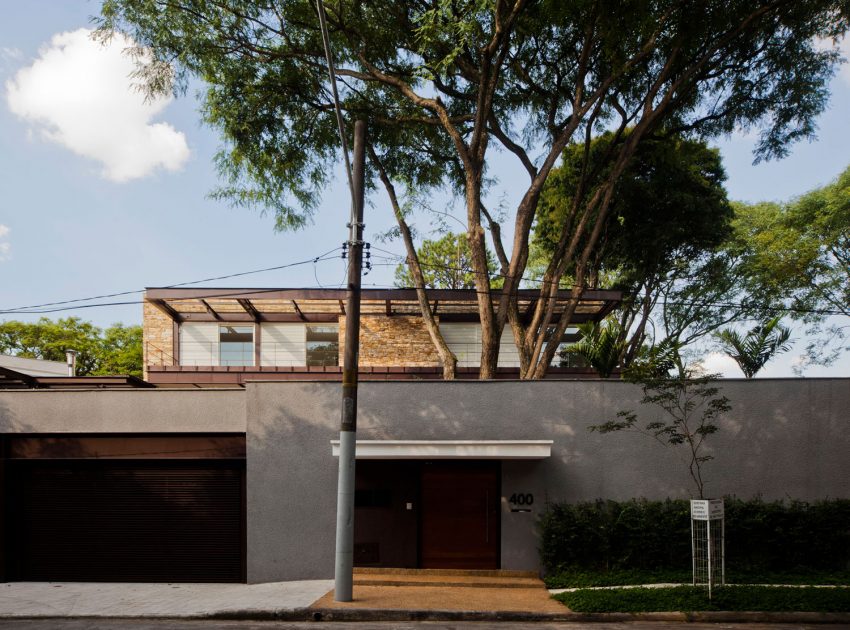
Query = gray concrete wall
x=122 y=411
x=783 y=438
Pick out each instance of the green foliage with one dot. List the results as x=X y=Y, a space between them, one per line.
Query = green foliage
x=691 y=404
x=667 y=222
x=609 y=535
x=669 y=204
x=797 y=256
x=765 y=540
x=689 y=598
x=446 y=264
x=116 y=350
x=441 y=84
x=752 y=351
x=601 y=346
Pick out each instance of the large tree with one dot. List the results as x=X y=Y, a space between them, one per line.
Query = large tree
x=440 y=81
x=116 y=350
x=663 y=237
x=797 y=259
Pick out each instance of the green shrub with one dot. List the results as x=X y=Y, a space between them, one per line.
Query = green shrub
x=761 y=537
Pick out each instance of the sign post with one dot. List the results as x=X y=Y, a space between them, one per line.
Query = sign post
x=708 y=545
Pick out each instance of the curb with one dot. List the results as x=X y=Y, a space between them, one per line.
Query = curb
x=377 y=615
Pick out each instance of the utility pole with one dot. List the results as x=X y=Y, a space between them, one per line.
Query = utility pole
x=344 y=569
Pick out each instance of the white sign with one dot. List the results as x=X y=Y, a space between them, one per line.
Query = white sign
x=706 y=509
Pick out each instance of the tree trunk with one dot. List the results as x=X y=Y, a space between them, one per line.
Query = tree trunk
x=447 y=357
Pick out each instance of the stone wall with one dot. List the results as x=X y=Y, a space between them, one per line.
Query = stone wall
x=392 y=341
x=158 y=338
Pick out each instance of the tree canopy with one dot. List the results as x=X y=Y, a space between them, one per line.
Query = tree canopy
x=440 y=81
x=662 y=242
x=446 y=264
x=797 y=259
x=115 y=350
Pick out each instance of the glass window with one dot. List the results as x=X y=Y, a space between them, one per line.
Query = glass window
x=322 y=344
x=236 y=345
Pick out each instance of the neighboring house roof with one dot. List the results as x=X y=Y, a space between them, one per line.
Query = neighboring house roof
x=33 y=367
x=11 y=379
x=318 y=305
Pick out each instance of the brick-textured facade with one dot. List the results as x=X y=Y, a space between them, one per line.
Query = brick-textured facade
x=158 y=338
x=392 y=341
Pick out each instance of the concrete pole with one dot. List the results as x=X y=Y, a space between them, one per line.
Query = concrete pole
x=344 y=569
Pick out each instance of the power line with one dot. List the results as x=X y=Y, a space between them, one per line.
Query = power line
x=22 y=309
x=739 y=305
x=323 y=257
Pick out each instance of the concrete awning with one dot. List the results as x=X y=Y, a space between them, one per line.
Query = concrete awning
x=450 y=449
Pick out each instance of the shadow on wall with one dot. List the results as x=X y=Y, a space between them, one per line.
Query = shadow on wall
x=782 y=438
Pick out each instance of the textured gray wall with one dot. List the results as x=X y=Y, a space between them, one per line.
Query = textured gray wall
x=783 y=438
x=122 y=411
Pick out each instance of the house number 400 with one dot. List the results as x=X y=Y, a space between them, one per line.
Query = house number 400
x=518 y=498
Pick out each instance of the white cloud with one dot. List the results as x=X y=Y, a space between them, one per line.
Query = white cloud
x=5 y=246
x=10 y=54
x=79 y=94
x=720 y=363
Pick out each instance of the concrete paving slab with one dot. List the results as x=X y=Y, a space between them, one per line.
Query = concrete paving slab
x=424 y=598
x=78 y=599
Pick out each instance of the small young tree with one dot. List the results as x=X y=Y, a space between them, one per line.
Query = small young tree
x=689 y=403
x=752 y=351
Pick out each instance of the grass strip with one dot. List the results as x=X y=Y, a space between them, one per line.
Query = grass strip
x=689 y=599
x=583 y=578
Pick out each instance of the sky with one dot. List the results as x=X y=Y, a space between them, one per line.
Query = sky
x=105 y=193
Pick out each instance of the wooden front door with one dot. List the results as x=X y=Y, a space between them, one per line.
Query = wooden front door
x=460 y=515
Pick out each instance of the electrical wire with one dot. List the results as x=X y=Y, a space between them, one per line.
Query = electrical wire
x=326 y=42
x=326 y=256
x=76 y=303
x=399 y=259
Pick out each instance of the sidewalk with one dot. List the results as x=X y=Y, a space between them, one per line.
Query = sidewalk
x=391 y=597
x=78 y=599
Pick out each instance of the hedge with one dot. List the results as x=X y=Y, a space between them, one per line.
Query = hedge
x=649 y=535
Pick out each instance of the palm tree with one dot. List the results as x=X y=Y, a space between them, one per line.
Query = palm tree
x=601 y=345
x=757 y=347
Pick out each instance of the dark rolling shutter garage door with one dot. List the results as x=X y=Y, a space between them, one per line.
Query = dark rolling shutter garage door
x=158 y=510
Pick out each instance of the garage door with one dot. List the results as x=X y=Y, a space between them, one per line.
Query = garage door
x=125 y=520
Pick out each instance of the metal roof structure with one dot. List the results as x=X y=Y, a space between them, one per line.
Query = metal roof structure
x=327 y=305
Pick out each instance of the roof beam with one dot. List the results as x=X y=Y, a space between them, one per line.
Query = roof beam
x=451 y=295
x=298 y=311
x=249 y=308
x=247 y=318
x=163 y=306
x=211 y=310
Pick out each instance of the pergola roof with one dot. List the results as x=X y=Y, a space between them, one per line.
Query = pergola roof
x=327 y=305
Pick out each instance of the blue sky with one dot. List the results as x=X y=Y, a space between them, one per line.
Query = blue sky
x=120 y=202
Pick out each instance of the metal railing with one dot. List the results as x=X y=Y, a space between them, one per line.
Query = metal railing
x=295 y=354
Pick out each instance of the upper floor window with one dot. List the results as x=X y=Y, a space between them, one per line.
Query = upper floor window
x=322 y=344
x=236 y=345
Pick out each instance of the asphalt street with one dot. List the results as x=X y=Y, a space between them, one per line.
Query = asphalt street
x=143 y=624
